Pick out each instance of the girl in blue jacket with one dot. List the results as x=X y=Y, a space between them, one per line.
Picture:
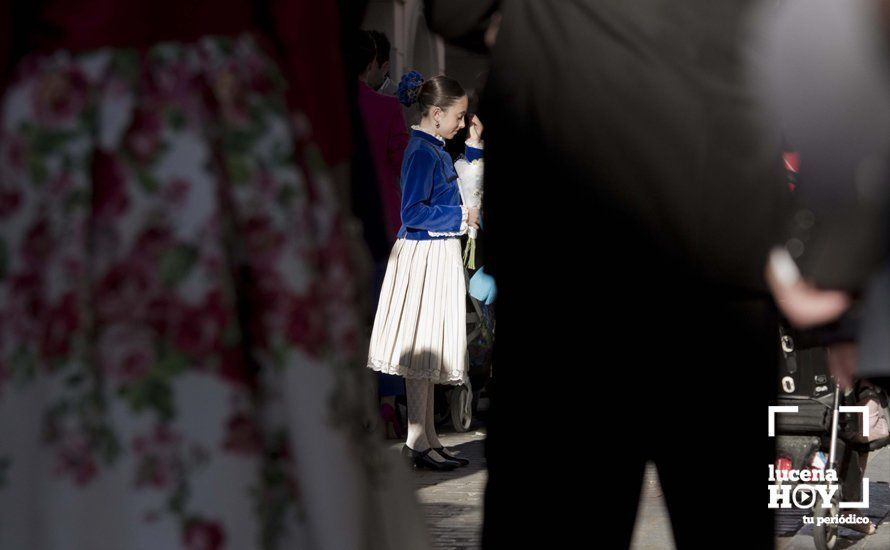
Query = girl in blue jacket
x=420 y=326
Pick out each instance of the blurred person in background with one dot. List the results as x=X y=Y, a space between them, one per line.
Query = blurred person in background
x=839 y=229
x=387 y=136
x=838 y=115
x=379 y=77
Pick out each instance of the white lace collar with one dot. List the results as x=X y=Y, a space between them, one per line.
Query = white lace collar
x=437 y=136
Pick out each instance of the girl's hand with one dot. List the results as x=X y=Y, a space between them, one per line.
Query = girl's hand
x=473 y=217
x=476 y=129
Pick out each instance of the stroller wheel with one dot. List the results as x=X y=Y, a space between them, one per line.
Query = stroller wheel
x=461 y=408
x=825 y=535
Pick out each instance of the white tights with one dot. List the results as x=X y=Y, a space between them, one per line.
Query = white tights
x=421 y=419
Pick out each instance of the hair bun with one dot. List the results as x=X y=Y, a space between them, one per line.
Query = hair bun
x=409 y=88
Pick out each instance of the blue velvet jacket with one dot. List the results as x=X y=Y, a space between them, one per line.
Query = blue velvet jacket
x=430 y=194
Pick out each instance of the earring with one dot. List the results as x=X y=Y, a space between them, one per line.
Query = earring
x=437 y=124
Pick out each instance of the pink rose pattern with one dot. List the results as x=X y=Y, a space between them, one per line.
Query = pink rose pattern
x=116 y=278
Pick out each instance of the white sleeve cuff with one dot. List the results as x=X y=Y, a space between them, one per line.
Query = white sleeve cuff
x=475 y=144
x=464 y=214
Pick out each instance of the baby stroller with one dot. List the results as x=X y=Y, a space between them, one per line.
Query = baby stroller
x=819 y=435
x=461 y=403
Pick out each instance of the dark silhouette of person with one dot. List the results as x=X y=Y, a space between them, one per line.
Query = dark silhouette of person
x=634 y=190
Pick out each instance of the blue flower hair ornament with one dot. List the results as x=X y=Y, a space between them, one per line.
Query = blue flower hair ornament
x=409 y=88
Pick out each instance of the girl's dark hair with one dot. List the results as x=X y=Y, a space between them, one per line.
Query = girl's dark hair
x=438 y=91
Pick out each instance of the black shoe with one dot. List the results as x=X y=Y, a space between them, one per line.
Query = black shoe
x=449 y=456
x=420 y=459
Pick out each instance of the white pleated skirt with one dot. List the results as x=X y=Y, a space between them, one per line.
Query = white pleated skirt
x=420 y=325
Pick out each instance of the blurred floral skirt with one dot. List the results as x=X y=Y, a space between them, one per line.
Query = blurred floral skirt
x=172 y=292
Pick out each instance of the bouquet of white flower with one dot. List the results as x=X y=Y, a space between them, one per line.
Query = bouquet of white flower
x=470 y=183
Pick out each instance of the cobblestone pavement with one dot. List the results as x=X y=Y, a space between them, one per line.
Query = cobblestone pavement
x=653 y=528
x=452 y=501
